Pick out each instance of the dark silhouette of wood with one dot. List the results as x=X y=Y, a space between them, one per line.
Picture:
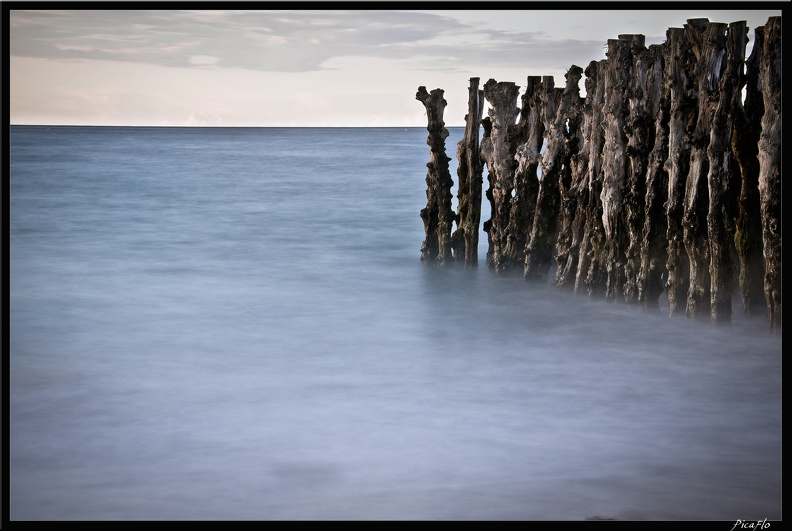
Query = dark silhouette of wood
x=438 y=217
x=498 y=150
x=557 y=107
x=529 y=137
x=770 y=169
x=574 y=191
x=708 y=41
x=591 y=264
x=680 y=81
x=653 y=252
x=723 y=188
x=465 y=239
x=745 y=144
x=662 y=179
x=618 y=74
x=486 y=146
x=640 y=130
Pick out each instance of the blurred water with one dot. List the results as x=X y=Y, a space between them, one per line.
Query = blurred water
x=235 y=324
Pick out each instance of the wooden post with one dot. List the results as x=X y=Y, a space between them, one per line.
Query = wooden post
x=437 y=216
x=498 y=153
x=614 y=161
x=464 y=241
x=640 y=130
x=709 y=45
x=663 y=177
x=530 y=131
x=745 y=145
x=574 y=194
x=678 y=75
x=723 y=192
x=653 y=243
x=591 y=264
x=486 y=148
x=770 y=169
x=557 y=107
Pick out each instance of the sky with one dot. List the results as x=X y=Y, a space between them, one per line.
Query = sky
x=300 y=68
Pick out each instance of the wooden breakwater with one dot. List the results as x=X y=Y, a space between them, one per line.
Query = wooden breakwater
x=665 y=178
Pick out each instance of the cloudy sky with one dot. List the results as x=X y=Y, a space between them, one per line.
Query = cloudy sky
x=299 y=67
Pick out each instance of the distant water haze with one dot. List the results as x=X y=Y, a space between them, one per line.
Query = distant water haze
x=234 y=324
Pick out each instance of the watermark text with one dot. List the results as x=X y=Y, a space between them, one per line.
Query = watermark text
x=751 y=524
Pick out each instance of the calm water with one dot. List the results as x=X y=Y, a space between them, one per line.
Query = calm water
x=235 y=324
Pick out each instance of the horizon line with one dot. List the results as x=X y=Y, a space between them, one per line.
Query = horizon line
x=240 y=126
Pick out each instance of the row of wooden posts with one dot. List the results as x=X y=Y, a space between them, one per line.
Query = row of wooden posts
x=665 y=178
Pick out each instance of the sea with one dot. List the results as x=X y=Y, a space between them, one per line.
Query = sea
x=234 y=324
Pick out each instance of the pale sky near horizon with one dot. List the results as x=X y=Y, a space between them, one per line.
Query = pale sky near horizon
x=299 y=67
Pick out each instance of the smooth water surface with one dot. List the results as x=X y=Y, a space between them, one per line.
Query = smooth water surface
x=235 y=324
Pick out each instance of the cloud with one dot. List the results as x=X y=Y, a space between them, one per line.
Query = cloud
x=258 y=67
x=205 y=60
x=277 y=41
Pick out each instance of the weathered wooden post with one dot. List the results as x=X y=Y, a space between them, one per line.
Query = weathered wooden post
x=745 y=144
x=486 y=148
x=614 y=160
x=574 y=195
x=591 y=263
x=639 y=128
x=469 y=172
x=530 y=131
x=678 y=74
x=557 y=107
x=709 y=45
x=662 y=177
x=437 y=216
x=770 y=169
x=498 y=152
x=653 y=243
x=723 y=192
